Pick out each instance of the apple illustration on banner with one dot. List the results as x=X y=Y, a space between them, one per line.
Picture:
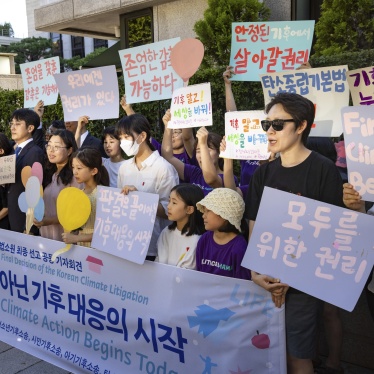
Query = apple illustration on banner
x=261 y=341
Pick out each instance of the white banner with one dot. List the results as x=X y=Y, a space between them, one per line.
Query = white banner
x=94 y=312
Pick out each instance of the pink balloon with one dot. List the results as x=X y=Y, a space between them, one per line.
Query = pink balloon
x=37 y=171
x=186 y=57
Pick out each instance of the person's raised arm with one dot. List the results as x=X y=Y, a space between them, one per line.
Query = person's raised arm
x=230 y=101
x=167 y=146
x=125 y=106
x=208 y=168
x=228 y=169
x=81 y=128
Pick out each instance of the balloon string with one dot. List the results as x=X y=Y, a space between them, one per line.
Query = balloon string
x=60 y=251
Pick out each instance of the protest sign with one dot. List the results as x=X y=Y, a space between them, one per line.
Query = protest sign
x=124 y=223
x=359 y=148
x=326 y=87
x=89 y=92
x=269 y=47
x=361 y=85
x=315 y=247
x=93 y=312
x=245 y=139
x=148 y=73
x=8 y=169
x=191 y=107
x=38 y=81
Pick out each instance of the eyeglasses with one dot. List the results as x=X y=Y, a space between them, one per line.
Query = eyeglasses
x=52 y=148
x=277 y=124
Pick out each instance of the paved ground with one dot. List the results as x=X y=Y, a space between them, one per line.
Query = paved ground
x=14 y=361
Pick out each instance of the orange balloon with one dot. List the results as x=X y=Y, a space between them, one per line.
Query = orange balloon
x=25 y=175
x=186 y=57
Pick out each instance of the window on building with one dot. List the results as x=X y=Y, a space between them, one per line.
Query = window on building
x=57 y=44
x=306 y=9
x=137 y=28
x=98 y=43
x=77 y=46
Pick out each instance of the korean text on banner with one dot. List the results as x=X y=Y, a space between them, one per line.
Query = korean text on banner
x=191 y=106
x=326 y=87
x=39 y=82
x=245 y=139
x=315 y=247
x=269 y=47
x=148 y=73
x=361 y=85
x=94 y=312
x=124 y=223
x=89 y=92
x=359 y=148
x=8 y=169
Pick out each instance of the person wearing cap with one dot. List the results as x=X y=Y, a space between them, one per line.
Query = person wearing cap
x=297 y=170
x=221 y=249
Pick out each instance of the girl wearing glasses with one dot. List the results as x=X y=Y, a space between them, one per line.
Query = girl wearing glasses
x=58 y=174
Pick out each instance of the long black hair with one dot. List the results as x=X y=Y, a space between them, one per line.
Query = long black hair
x=190 y=194
x=66 y=173
x=91 y=158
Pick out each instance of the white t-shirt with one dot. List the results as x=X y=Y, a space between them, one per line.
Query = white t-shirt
x=113 y=168
x=156 y=176
x=177 y=249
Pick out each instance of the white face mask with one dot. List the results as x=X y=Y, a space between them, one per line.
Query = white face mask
x=131 y=148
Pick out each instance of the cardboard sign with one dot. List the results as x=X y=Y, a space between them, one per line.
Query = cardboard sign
x=361 y=83
x=359 y=144
x=8 y=169
x=245 y=139
x=124 y=223
x=93 y=312
x=318 y=248
x=38 y=81
x=326 y=87
x=148 y=73
x=89 y=92
x=268 y=47
x=191 y=107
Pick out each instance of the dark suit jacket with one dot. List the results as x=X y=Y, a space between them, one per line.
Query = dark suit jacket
x=93 y=142
x=30 y=153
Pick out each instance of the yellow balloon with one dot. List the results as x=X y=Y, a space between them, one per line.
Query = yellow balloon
x=73 y=208
x=25 y=174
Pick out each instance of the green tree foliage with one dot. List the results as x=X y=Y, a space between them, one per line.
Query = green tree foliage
x=345 y=26
x=29 y=49
x=76 y=62
x=214 y=30
x=6 y=29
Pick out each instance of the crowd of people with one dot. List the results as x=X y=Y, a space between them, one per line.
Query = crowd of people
x=205 y=214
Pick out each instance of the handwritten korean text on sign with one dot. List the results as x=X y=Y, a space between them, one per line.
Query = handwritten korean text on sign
x=8 y=169
x=245 y=139
x=191 y=107
x=315 y=247
x=361 y=84
x=268 y=47
x=326 y=87
x=124 y=223
x=148 y=73
x=91 y=92
x=38 y=81
x=359 y=148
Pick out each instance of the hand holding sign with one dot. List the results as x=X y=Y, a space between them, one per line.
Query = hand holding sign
x=186 y=57
x=73 y=210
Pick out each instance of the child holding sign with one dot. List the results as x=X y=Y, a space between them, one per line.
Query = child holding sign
x=221 y=249
x=177 y=242
x=89 y=170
